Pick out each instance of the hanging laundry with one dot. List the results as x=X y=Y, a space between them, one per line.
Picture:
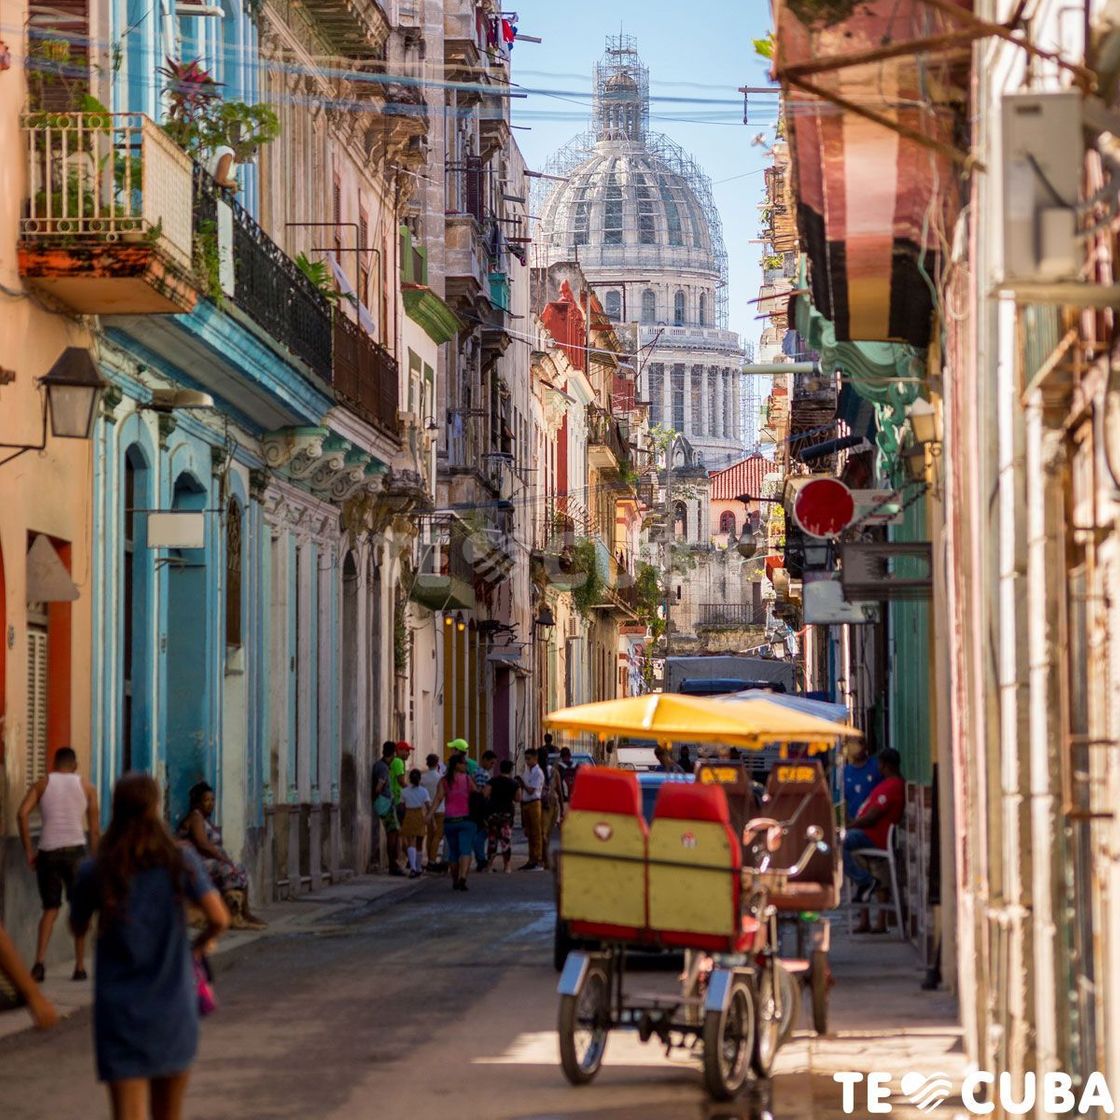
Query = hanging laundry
x=493 y=32
x=509 y=34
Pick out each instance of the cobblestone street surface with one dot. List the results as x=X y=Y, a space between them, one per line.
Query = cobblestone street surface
x=375 y=999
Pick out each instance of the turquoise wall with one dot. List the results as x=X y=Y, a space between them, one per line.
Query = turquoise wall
x=909 y=682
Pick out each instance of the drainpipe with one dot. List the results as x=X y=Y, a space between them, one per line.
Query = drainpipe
x=1045 y=572
x=1013 y=692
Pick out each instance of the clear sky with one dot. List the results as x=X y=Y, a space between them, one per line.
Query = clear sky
x=701 y=51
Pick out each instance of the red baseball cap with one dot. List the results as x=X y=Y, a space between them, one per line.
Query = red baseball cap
x=404 y=747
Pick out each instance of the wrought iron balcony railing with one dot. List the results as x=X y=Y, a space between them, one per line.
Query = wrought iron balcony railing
x=365 y=375
x=732 y=614
x=267 y=285
x=602 y=429
x=107 y=177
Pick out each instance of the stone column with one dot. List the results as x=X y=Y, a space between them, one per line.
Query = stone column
x=736 y=404
x=705 y=411
x=686 y=384
x=667 y=396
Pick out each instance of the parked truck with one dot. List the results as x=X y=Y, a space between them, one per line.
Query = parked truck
x=720 y=674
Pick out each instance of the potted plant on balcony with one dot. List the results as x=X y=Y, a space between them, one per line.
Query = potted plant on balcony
x=209 y=128
x=586 y=579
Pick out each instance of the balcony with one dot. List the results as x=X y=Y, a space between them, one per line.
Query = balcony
x=265 y=283
x=107 y=225
x=620 y=592
x=467 y=259
x=358 y=29
x=696 y=338
x=814 y=401
x=463 y=61
x=731 y=616
x=606 y=449
x=366 y=378
x=493 y=123
x=445 y=581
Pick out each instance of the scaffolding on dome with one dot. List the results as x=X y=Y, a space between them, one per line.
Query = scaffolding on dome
x=621 y=79
x=620 y=105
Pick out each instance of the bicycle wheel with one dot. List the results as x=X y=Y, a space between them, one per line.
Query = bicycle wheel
x=583 y=1026
x=791 y=1003
x=767 y=1037
x=728 y=1037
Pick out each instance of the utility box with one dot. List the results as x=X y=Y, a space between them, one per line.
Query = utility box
x=1043 y=157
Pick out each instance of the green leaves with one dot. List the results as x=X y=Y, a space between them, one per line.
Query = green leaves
x=199 y=121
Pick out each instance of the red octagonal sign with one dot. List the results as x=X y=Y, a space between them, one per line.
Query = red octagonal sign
x=824 y=507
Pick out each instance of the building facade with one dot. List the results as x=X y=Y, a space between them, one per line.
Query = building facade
x=222 y=571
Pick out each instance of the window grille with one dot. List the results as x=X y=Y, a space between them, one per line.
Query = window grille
x=36 y=761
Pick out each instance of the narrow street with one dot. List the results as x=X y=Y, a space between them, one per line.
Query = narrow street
x=428 y=1004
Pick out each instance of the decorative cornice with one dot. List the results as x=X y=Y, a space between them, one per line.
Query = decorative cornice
x=435 y=315
x=258 y=484
x=296 y=449
x=167 y=424
x=110 y=398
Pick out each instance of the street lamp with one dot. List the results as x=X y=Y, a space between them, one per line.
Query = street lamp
x=72 y=386
x=925 y=423
x=915 y=461
x=544 y=623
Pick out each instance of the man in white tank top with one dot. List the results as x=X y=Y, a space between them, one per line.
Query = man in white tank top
x=68 y=806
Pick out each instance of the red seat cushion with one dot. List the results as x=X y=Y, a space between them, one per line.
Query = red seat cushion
x=682 y=801
x=598 y=789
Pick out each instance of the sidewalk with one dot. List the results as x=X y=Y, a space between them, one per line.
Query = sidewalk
x=298 y=914
x=880 y=1021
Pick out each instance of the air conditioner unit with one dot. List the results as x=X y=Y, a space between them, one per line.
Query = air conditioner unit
x=1043 y=153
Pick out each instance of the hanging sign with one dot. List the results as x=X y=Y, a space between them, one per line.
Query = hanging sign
x=878 y=507
x=177 y=529
x=823 y=604
x=823 y=507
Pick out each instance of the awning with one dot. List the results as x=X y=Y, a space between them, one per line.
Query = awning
x=871 y=192
x=48 y=581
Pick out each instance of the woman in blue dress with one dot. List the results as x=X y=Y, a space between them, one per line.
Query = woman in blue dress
x=145 y=1008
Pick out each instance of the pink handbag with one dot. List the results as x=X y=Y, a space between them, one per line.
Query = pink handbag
x=204 y=986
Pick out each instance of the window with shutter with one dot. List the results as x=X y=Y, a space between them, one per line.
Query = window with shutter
x=58 y=56
x=36 y=762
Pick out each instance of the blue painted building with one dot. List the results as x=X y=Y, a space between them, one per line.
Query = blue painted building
x=247 y=640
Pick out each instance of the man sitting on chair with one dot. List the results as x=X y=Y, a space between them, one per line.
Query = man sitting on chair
x=870 y=828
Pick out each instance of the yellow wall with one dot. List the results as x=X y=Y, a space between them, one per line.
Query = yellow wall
x=40 y=492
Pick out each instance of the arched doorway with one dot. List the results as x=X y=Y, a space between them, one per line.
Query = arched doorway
x=136 y=659
x=352 y=775
x=189 y=731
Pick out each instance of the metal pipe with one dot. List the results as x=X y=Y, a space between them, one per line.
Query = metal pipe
x=777 y=368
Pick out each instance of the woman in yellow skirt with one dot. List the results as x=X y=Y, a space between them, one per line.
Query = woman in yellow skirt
x=417 y=802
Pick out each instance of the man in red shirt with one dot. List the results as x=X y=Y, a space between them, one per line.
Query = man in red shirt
x=870 y=829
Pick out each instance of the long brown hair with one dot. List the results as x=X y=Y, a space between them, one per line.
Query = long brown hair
x=136 y=840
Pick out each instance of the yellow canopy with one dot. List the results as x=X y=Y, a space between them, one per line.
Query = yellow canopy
x=669 y=717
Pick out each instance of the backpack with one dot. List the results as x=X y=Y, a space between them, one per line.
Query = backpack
x=567 y=780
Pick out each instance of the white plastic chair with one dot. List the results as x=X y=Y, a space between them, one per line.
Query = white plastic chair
x=887 y=853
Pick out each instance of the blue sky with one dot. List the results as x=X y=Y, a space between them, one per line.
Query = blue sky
x=688 y=57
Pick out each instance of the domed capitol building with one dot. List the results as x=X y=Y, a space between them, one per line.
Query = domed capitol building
x=637 y=214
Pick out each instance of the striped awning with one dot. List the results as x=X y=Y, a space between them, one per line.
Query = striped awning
x=874 y=205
